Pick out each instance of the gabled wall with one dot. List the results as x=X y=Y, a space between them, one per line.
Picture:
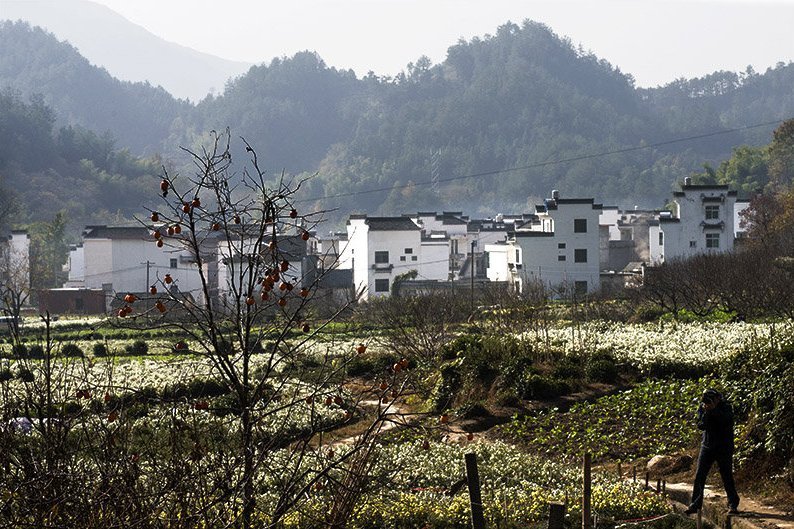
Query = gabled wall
x=692 y=231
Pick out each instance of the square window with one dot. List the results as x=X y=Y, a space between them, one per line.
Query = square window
x=561 y=258
x=402 y=258
x=580 y=225
x=173 y=262
x=693 y=244
x=381 y=285
x=414 y=258
x=409 y=250
x=381 y=257
x=561 y=245
x=712 y=240
x=580 y=255
x=712 y=212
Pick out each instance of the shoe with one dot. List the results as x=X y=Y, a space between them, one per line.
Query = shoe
x=733 y=510
x=691 y=510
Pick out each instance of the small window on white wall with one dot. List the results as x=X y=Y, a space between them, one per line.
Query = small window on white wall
x=712 y=240
x=712 y=212
x=173 y=262
x=382 y=257
x=381 y=285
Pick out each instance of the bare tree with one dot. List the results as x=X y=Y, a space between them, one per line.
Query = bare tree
x=417 y=326
x=246 y=237
x=14 y=284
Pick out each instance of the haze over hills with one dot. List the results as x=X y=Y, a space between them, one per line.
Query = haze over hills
x=128 y=51
x=502 y=121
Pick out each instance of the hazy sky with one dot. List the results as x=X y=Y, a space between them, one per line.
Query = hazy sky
x=656 y=41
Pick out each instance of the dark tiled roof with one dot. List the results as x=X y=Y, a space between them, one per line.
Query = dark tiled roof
x=391 y=224
x=551 y=203
x=337 y=279
x=452 y=218
x=116 y=232
x=714 y=187
x=706 y=186
x=533 y=233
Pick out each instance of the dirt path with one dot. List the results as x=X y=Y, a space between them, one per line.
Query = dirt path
x=752 y=514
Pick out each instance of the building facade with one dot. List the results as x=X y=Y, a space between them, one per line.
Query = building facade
x=559 y=248
x=702 y=221
x=120 y=259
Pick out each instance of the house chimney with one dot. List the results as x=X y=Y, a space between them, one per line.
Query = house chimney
x=555 y=194
x=687 y=181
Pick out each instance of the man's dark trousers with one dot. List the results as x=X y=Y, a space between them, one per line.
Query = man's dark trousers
x=724 y=459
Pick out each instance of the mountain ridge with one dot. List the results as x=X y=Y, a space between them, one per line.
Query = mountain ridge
x=128 y=51
x=521 y=98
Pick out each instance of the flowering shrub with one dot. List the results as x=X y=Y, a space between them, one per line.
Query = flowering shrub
x=693 y=345
x=516 y=489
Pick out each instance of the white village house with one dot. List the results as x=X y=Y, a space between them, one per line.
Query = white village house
x=559 y=248
x=566 y=244
x=703 y=221
x=380 y=249
x=121 y=259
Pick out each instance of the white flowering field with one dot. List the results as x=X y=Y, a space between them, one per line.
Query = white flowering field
x=695 y=344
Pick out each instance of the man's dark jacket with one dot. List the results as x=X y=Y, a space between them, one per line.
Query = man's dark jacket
x=717 y=426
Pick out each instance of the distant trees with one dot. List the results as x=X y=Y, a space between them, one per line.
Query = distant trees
x=520 y=97
x=35 y=62
x=71 y=168
x=48 y=252
x=781 y=155
x=758 y=278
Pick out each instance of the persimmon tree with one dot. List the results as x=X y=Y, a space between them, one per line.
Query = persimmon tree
x=251 y=319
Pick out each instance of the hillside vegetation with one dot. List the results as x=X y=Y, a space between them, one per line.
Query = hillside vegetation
x=522 y=98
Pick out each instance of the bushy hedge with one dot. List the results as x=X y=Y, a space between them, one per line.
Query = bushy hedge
x=760 y=383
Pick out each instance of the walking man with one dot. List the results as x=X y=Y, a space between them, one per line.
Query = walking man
x=715 y=418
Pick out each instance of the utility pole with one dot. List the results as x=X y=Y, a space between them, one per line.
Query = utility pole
x=473 y=246
x=148 y=264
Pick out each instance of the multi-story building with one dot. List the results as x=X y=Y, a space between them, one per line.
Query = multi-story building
x=702 y=221
x=381 y=249
x=118 y=259
x=559 y=247
x=629 y=236
x=454 y=226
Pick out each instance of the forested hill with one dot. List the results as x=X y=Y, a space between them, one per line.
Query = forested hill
x=138 y=115
x=521 y=98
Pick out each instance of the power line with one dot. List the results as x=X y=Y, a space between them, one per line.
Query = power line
x=435 y=181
